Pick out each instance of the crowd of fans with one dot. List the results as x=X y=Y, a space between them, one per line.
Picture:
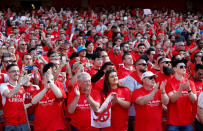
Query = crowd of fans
x=57 y=66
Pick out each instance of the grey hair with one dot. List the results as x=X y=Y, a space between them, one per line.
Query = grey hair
x=82 y=75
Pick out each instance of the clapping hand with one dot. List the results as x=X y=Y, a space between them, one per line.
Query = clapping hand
x=76 y=91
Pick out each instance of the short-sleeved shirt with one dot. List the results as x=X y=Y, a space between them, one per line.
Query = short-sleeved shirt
x=29 y=92
x=180 y=113
x=13 y=108
x=81 y=118
x=149 y=116
x=119 y=115
x=49 y=114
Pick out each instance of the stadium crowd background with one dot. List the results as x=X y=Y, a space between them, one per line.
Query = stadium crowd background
x=96 y=41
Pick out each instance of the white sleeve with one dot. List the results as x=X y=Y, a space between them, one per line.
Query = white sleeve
x=3 y=87
x=6 y=78
x=200 y=100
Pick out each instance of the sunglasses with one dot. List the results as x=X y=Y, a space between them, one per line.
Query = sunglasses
x=199 y=55
x=182 y=66
x=7 y=61
x=152 y=77
x=143 y=64
x=200 y=74
x=24 y=44
x=167 y=62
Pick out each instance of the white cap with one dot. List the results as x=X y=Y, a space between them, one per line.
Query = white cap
x=147 y=74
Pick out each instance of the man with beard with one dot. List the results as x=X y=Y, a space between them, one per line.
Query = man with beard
x=198 y=111
x=166 y=70
x=124 y=48
x=133 y=81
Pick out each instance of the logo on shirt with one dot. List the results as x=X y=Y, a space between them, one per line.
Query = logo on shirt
x=16 y=98
x=154 y=103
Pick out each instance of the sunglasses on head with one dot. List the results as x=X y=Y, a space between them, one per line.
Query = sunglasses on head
x=143 y=64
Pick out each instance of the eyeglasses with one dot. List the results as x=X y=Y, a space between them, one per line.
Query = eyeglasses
x=143 y=64
x=24 y=44
x=166 y=62
x=181 y=45
x=152 y=77
x=182 y=66
x=104 y=56
x=14 y=71
x=200 y=74
x=7 y=61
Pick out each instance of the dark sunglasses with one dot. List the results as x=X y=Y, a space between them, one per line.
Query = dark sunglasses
x=7 y=61
x=167 y=62
x=151 y=77
x=143 y=64
x=199 y=55
x=200 y=74
x=182 y=66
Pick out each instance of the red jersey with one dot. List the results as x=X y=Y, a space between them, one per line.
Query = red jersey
x=162 y=77
x=29 y=92
x=92 y=71
x=81 y=118
x=49 y=114
x=116 y=60
x=123 y=72
x=149 y=116
x=13 y=108
x=119 y=115
x=180 y=112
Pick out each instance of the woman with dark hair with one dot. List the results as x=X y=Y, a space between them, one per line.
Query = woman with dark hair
x=120 y=103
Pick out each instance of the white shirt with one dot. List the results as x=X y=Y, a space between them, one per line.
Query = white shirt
x=131 y=84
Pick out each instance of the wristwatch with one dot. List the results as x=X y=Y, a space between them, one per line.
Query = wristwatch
x=189 y=91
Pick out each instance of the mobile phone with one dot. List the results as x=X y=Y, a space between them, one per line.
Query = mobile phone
x=29 y=68
x=39 y=52
x=63 y=58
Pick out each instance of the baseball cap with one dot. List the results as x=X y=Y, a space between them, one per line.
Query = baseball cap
x=80 y=48
x=116 y=47
x=147 y=74
x=178 y=31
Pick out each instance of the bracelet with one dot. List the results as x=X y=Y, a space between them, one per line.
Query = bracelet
x=189 y=91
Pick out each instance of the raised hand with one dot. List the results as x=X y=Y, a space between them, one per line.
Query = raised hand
x=156 y=87
x=162 y=86
x=76 y=91
x=24 y=79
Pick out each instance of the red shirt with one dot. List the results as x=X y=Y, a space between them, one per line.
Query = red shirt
x=29 y=92
x=119 y=115
x=149 y=116
x=180 y=112
x=123 y=72
x=13 y=108
x=116 y=60
x=81 y=118
x=199 y=89
x=49 y=115
x=162 y=77
x=92 y=71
